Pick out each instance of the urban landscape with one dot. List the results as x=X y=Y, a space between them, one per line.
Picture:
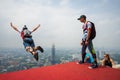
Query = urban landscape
x=18 y=59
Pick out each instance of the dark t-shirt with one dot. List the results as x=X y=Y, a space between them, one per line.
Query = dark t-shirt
x=107 y=63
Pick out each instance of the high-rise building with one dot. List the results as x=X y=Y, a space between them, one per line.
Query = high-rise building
x=53 y=54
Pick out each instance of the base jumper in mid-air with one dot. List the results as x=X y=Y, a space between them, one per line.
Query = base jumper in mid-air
x=28 y=42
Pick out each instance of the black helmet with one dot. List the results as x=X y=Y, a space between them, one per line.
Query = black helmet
x=25 y=27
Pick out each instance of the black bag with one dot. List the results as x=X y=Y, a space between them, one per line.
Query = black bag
x=93 y=32
x=27 y=33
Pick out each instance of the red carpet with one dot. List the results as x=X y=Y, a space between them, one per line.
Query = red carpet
x=68 y=71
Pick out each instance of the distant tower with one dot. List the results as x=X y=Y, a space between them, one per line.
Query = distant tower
x=53 y=54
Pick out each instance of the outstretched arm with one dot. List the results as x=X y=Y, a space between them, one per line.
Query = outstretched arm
x=15 y=28
x=36 y=28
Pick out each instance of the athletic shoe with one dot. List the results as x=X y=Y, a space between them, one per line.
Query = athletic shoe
x=40 y=48
x=80 y=62
x=94 y=65
x=36 y=56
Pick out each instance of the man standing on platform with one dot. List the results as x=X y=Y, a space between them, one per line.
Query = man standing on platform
x=89 y=33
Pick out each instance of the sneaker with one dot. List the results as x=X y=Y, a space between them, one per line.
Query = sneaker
x=80 y=62
x=36 y=56
x=40 y=48
x=94 y=65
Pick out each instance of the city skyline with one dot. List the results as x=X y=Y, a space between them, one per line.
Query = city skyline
x=13 y=60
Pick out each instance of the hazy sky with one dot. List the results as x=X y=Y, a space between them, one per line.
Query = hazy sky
x=59 y=24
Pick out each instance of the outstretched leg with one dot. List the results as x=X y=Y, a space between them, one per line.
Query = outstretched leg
x=34 y=53
x=38 y=48
x=29 y=44
x=30 y=50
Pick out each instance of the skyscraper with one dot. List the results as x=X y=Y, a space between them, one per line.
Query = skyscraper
x=53 y=54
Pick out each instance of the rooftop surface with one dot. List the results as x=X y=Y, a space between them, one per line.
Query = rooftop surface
x=67 y=71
